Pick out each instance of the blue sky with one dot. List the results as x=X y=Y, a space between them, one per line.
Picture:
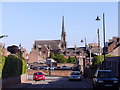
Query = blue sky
x=25 y=22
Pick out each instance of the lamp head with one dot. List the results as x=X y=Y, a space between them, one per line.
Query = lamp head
x=97 y=19
x=82 y=41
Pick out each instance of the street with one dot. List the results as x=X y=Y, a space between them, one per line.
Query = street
x=55 y=82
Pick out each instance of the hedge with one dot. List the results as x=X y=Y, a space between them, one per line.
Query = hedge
x=2 y=62
x=13 y=66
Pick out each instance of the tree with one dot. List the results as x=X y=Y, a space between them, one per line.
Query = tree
x=99 y=59
x=71 y=60
x=13 y=49
x=60 y=58
x=52 y=55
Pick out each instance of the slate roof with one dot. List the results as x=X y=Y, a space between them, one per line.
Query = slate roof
x=109 y=43
x=73 y=51
x=118 y=45
x=52 y=44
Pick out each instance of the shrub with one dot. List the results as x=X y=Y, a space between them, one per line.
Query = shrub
x=13 y=67
x=2 y=62
x=24 y=66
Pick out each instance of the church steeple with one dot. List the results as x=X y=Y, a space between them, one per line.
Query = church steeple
x=63 y=28
x=63 y=36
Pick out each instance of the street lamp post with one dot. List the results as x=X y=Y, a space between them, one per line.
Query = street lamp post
x=84 y=60
x=104 y=48
x=90 y=54
x=104 y=35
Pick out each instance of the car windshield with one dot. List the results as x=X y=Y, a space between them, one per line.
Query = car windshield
x=75 y=73
x=105 y=74
x=39 y=73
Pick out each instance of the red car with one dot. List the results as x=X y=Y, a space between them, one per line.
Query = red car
x=38 y=76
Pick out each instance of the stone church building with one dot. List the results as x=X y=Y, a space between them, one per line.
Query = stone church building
x=42 y=49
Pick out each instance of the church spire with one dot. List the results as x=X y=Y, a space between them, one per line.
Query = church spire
x=63 y=28
x=63 y=35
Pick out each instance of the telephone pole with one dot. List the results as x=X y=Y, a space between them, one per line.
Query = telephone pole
x=98 y=32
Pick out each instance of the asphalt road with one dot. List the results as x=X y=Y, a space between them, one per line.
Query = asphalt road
x=55 y=82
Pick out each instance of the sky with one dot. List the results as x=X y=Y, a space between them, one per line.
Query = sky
x=25 y=22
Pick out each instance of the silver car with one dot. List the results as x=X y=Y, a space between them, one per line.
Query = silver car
x=75 y=75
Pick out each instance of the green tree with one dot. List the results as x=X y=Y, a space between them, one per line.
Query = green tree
x=99 y=59
x=52 y=55
x=71 y=60
x=60 y=58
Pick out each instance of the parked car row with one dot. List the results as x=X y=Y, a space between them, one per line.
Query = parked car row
x=49 y=68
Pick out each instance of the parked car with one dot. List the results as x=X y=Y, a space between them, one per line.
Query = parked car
x=46 y=67
x=31 y=66
x=105 y=78
x=35 y=68
x=38 y=76
x=57 y=68
x=71 y=68
x=64 y=67
x=75 y=75
x=41 y=68
x=52 y=68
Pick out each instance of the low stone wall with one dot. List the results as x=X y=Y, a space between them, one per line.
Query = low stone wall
x=30 y=72
x=61 y=72
x=8 y=82
x=52 y=72
x=24 y=78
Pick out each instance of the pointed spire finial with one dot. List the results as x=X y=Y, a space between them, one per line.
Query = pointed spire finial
x=63 y=24
x=63 y=35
